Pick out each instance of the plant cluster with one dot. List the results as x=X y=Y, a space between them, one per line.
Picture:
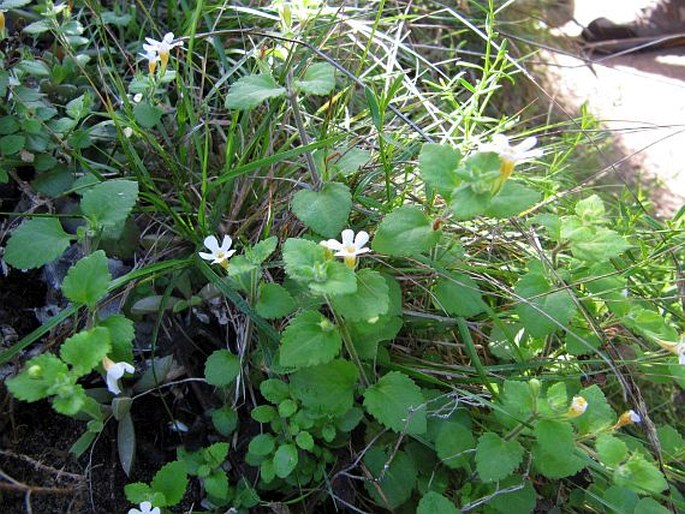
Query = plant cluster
x=418 y=327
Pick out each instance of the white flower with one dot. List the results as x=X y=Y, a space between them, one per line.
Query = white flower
x=128 y=132
x=350 y=247
x=178 y=426
x=115 y=370
x=628 y=417
x=578 y=406
x=152 y=59
x=145 y=508
x=162 y=47
x=510 y=155
x=219 y=254
x=675 y=348
x=634 y=416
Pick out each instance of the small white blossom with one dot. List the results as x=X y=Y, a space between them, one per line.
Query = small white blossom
x=152 y=59
x=509 y=155
x=161 y=48
x=578 y=406
x=128 y=132
x=350 y=247
x=514 y=154
x=219 y=254
x=634 y=416
x=628 y=417
x=145 y=508
x=178 y=426
x=675 y=348
x=115 y=370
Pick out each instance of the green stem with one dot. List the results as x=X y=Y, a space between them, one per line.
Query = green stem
x=473 y=355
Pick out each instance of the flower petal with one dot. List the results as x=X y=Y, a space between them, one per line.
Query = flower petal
x=113 y=384
x=168 y=38
x=206 y=256
x=361 y=239
x=347 y=237
x=526 y=144
x=226 y=243
x=211 y=243
x=332 y=244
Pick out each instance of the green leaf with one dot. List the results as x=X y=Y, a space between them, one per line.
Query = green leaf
x=303 y=259
x=249 y=91
x=10 y=145
x=222 y=368
x=598 y=245
x=109 y=203
x=308 y=340
x=459 y=295
x=274 y=390
x=620 y=499
x=466 y=203
x=452 y=444
x=274 y=301
x=326 y=211
x=516 y=403
x=612 y=451
x=121 y=334
x=521 y=501
x=434 y=503
x=88 y=280
x=397 y=480
x=261 y=251
x=326 y=389
x=305 y=441
x=542 y=310
x=37 y=27
x=672 y=443
x=39 y=375
x=285 y=460
x=371 y=300
x=287 y=408
x=496 y=458
x=650 y=506
x=350 y=161
x=512 y=199
x=598 y=415
x=640 y=475
x=69 y=400
x=79 y=107
x=438 y=164
x=216 y=485
x=554 y=452
x=137 y=492
x=225 y=420
x=319 y=79
x=36 y=242
x=337 y=279
x=590 y=210
x=147 y=115
x=264 y=413
x=405 y=232
x=397 y=403
x=126 y=443
x=86 y=349
x=262 y=445
x=171 y=481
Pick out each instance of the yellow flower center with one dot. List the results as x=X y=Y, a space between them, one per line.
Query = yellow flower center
x=351 y=261
x=152 y=66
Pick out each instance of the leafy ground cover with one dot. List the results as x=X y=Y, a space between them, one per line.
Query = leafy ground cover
x=307 y=258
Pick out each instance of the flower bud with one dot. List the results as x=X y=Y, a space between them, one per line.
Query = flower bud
x=578 y=407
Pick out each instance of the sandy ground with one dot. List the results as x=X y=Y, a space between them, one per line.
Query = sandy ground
x=639 y=97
